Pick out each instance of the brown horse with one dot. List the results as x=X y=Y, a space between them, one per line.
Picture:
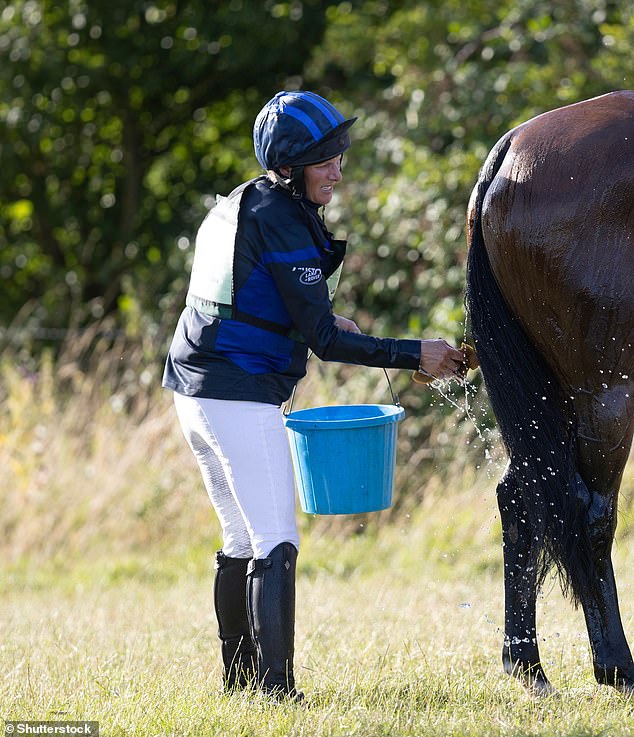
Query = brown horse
x=550 y=296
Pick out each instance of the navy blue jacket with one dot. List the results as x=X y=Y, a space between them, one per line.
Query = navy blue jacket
x=281 y=308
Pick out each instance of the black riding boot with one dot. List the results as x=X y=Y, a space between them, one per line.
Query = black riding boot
x=271 y=607
x=230 y=602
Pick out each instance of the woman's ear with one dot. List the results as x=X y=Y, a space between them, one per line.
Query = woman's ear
x=285 y=171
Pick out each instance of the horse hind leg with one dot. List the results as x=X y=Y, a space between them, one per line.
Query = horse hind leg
x=520 y=652
x=602 y=458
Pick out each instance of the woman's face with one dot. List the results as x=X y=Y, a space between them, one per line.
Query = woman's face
x=320 y=180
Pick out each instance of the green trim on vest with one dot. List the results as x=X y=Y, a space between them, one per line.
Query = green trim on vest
x=211 y=309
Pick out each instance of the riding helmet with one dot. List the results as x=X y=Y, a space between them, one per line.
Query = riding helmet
x=298 y=129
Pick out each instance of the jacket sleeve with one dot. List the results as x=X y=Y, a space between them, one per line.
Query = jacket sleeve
x=301 y=283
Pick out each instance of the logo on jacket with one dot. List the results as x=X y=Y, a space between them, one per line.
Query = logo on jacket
x=309 y=275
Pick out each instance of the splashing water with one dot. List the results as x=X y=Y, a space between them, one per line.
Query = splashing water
x=446 y=389
x=443 y=387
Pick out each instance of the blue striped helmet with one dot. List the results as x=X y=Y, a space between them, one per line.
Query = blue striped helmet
x=298 y=129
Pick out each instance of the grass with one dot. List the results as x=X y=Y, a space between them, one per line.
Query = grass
x=106 y=593
x=386 y=645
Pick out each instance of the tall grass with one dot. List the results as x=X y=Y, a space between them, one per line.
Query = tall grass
x=88 y=465
x=92 y=458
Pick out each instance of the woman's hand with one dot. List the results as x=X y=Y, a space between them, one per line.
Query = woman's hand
x=439 y=360
x=349 y=326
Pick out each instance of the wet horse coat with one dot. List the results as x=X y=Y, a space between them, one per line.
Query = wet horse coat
x=550 y=296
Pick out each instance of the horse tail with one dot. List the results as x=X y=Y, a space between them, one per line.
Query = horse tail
x=536 y=420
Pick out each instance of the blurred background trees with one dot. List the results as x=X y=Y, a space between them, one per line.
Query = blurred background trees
x=120 y=121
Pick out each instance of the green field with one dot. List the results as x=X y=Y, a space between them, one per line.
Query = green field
x=106 y=606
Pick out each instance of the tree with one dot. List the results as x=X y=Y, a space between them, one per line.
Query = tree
x=118 y=122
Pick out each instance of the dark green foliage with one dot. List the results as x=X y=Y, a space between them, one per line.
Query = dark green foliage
x=118 y=119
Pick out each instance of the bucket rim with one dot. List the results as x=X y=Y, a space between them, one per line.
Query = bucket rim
x=308 y=417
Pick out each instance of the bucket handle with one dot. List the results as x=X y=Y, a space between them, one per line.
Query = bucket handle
x=389 y=383
x=288 y=407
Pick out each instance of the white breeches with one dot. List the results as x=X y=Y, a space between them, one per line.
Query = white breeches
x=244 y=457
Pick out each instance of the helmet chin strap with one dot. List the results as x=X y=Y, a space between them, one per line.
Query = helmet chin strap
x=294 y=183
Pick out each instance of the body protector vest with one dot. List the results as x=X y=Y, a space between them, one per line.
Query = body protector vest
x=211 y=285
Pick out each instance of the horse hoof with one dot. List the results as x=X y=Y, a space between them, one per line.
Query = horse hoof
x=541 y=689
x=530 y=675
x=536 y=685
x=624 y=686
x=622 y=679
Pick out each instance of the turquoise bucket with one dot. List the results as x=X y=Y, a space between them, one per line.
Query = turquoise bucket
x=344 y=457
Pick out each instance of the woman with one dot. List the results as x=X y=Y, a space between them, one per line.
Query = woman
x=259 y=299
